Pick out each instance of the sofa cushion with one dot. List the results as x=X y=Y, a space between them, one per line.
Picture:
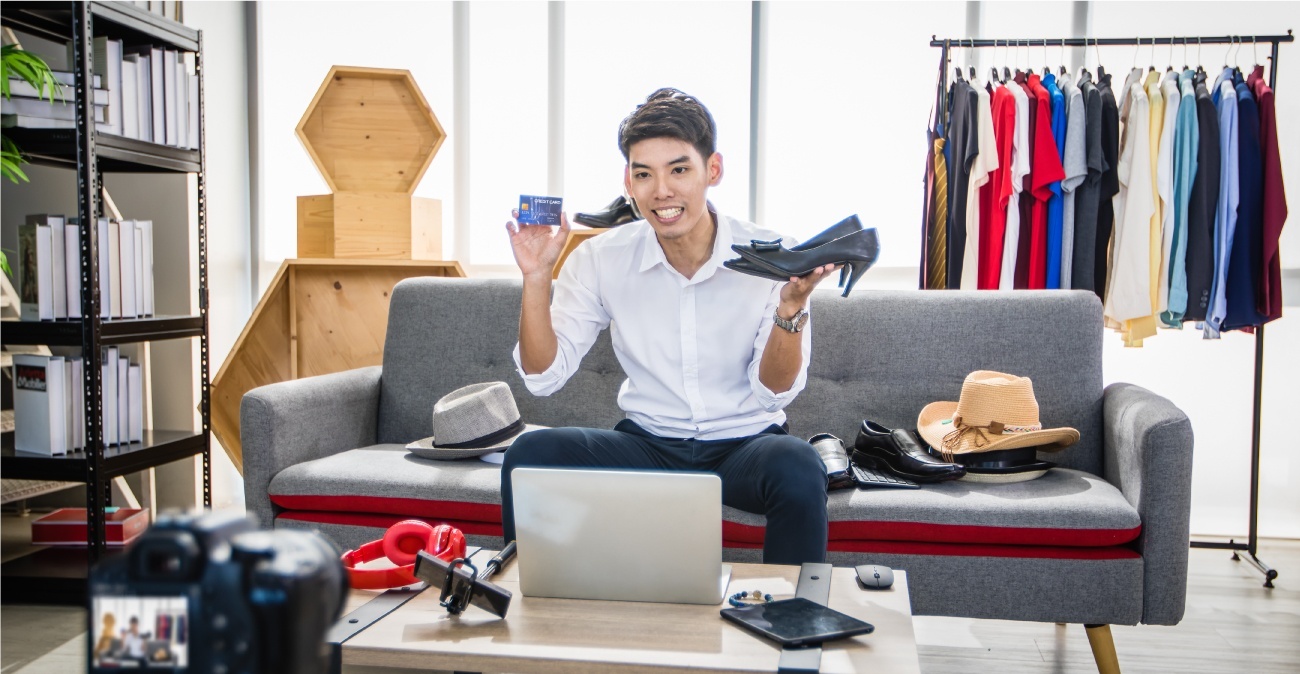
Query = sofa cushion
x=1063 y=509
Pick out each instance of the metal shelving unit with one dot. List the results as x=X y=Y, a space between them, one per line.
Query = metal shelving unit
x=59 y=575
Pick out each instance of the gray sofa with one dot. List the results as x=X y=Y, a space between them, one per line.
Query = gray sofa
x=1101 y=539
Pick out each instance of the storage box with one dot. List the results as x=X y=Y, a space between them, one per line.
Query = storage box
x=67 y=526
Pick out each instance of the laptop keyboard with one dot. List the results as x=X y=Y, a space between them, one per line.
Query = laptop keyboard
x=870 y=478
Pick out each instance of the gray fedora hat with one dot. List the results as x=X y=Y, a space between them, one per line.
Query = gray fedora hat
x=472 y=421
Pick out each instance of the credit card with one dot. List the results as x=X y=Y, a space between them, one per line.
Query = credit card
x=539 y=210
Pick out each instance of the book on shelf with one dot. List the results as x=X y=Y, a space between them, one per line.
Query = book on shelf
x=135 y=403
x=108 y=402
x=127 y=264
x=144 y=93
x=20 y=88
x=146 y=246
x=114 y=298
x=40 y=404
x=35 y=272
x=78 y=401
x=194 y=111
x=123 y=400
x=23 y=108
x=170 y=101
x=107 y=63
x=72 y=259
x=105 y=280
x=130 y=96
x=58 y=257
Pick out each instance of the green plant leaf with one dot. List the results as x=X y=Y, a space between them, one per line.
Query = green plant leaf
x=4 y=264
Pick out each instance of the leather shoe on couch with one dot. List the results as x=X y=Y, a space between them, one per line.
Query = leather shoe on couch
x=899 y=452
x=835 y=458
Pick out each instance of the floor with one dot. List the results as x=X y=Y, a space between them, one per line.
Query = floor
x=1232 y=624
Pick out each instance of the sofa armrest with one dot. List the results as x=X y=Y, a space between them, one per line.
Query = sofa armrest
x=284 y=424
x=1148 y=456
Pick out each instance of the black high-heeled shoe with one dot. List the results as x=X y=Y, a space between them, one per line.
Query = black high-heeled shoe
x=857 y=251
x=619 y=212
x=843 y=227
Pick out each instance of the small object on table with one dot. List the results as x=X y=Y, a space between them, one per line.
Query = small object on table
x=750 y=598
x=875 y=576
x=494 y=565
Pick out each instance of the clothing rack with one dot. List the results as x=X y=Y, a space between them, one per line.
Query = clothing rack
x=1249 y=549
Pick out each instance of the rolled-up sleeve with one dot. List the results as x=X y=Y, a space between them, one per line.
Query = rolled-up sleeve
x=769 y=400
x=577 y=315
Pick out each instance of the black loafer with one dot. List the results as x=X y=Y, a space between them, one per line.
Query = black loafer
x=899 y=452
x=835 y=458
x=619 y=212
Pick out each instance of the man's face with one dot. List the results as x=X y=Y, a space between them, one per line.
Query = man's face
x=669 y=181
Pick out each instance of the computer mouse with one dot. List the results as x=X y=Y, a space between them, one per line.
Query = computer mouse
x=875 y=576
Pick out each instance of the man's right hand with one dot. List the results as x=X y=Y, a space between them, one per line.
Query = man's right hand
x=537 y=247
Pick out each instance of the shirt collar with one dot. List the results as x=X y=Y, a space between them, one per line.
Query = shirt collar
x=652 y=253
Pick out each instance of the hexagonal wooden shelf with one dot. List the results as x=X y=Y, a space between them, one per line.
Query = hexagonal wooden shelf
x=317 y=317
x=370 y=130
x=372 y=135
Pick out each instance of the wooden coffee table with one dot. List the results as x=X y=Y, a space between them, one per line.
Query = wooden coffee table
x=574 y=636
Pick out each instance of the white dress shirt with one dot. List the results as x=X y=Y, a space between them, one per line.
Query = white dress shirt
x=690 y=347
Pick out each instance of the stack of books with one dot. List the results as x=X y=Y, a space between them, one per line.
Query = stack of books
x=148 y=93
x=50 y=402
x=49 y=268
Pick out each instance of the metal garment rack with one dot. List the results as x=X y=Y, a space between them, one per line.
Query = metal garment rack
x=1248 y=549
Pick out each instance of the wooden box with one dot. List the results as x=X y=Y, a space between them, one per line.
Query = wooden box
x=370 y=225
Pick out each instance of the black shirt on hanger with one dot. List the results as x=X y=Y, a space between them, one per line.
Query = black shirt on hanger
x=1087 y=199
x=1248 y=237
x=963 y=139
x=1201 y=208
x=1109 y=184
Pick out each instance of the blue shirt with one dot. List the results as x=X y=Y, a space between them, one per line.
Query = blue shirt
x=1055 y=204
x=1225 y=217
x=1187 y=139
x=1247 y=239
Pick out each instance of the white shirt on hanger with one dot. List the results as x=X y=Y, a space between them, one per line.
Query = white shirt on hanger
x=985 y=162
x=1165 y=183
x=1128 y=291
x=1019 y=169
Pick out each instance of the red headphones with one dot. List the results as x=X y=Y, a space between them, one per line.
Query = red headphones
x=399 y=544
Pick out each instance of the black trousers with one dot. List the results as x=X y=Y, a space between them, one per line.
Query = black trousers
x=772 y=473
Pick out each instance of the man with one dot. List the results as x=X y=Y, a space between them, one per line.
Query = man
x=133 y=642
x=709 y=369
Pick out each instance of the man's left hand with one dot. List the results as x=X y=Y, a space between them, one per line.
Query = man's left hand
x=794 y=294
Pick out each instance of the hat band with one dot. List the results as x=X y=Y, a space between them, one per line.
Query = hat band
x=489 y=439
x=954 y=437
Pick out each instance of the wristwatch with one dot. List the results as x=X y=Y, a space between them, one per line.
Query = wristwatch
x=795 y=324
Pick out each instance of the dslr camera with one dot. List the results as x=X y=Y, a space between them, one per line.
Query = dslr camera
x=206 y=592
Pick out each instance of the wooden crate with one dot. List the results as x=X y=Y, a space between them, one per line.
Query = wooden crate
x=317 y=317
x=370 y=226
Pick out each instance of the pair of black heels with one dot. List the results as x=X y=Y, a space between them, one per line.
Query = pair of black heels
x=846 y=243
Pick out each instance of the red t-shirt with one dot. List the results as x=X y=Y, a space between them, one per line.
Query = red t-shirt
x=1268 y=295
x=1046 y=170
x=996 y=194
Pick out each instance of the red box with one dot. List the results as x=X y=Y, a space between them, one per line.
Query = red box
x=67 y=526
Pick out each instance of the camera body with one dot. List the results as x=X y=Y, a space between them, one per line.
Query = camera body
x=207 y=592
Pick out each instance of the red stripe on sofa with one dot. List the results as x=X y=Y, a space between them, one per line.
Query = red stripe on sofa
x=951 y=533
x=381 y=521
x=415 y=507
x=962 y=550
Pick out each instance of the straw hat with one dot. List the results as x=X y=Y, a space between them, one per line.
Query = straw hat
x=996 y=411
x=472 y=421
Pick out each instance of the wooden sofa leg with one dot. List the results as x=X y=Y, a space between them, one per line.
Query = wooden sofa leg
x=1103 y=648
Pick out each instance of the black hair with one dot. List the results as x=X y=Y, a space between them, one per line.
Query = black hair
x=669 y=113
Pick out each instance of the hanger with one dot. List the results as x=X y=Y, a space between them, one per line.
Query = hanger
x=1047 y=70
x=993 y=70
x=1185 y=66
x=1170 y=67
x=1200 y=68
x=1152 y=67
x=1006 y=68
x=1101 y=70
x=1063 y=70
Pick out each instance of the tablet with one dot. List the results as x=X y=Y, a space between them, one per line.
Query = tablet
x=797 y=622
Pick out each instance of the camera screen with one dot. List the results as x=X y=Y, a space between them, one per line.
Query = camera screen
x=140 y=633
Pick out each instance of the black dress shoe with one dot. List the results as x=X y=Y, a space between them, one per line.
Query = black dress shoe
x=844 y=227
x=835 y=458
x=899 y=452
x=619 y=212
x=857 y=251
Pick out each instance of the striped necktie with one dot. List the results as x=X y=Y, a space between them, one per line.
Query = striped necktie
x=938 y=266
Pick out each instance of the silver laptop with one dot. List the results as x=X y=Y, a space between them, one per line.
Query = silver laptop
x=620 y=535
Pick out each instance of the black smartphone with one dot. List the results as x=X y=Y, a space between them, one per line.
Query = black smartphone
x=797 y=622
